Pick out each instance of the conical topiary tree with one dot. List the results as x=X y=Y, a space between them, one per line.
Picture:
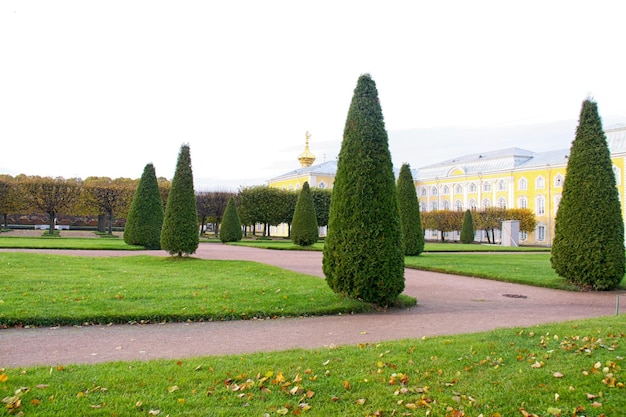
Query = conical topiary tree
x=145 y=216
x=179 y=235
x=467 y=231
x=230 y=230
x=409 y=209
x=363 y=253
x=588 y=247
x=304 y=230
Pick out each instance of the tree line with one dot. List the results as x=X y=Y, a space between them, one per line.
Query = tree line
x=112 y=198
x=489 y=219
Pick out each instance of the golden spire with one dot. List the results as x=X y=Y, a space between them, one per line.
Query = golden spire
x=306 y=158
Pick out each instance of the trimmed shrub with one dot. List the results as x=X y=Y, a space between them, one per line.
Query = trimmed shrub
x=467 y=231
x=588 y=247
x=304 y=230
x=363 y=253
x=409 y=209
x=180 y=235
x=145 y=216
x=231 y=225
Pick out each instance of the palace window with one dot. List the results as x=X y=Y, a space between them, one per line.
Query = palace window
x=472 y=188
x=459 y=205
x=522 y=184
x=321 y=185
x=558 y=180
x=487 y=186
x=541 y=232
x=458 y=189
x=540 y=206
x=502 y=202
x=540 y=183
x=434 y=206
x=433 y=191
x=472 y=204
x=523 y=235
x=423 y=206
x=501 y=185
x=423 y=191
x=486 y=203
x=522 y=202
x=446 y=205
x=446 y=190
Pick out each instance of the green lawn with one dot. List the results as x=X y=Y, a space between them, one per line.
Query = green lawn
x=65 y=243
x=566 y=369
x=530 y=269
x=47 y=290
x=285 y=244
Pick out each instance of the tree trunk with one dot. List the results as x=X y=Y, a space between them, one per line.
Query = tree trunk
x=6 y=220
x=101 y=223
x=110 y=222
x=51 y=224
x=443 y=237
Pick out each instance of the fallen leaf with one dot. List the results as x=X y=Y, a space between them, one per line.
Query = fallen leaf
x=346 y=385
x=172 y=388
x=557 y=375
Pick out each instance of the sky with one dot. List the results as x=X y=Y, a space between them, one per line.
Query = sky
x=102 y=88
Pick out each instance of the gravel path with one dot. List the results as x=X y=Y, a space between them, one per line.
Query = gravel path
x=448 y=304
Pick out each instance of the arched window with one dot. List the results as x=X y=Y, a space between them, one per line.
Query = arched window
x=423 y=191
x=486 y=186
x=472 y=188
x=522 y=184
x=540 y=206
x=423 y=206
x=540 y=183
x=434 y=206
x=486 y=203
x=458 y=189
x=522 y=203
x=502 y=185
x=472 y=204
x=321 y=185
x=558 y=180
x=446 y=190
x=446 y=205
x=502 y=202
x=459 y=205
x=433 y=191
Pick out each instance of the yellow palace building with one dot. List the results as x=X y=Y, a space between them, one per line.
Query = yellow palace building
x=510 y=178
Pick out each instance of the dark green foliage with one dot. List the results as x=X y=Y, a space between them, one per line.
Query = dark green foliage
x=231 y=225
x=363 y=253
x=266 y=205
x=409 y=208
x=180 y=224
x=145 y=216
x=588 y=248
x=321 y=201
x=467 y=231
x=304 y=230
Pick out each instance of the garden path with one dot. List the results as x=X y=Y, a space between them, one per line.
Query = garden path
x=448 y=304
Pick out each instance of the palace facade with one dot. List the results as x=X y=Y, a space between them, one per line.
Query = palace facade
x=509 y=178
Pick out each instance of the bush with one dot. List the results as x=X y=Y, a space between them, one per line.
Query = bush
x=467 y=231
x=304 y=230
x=409 y=209
x=179 y=235
x=588 y=247
x=231 y=225
x=145 y=216
x=363 y=254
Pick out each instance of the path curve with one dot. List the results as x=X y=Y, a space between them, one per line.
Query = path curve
x=448 y=304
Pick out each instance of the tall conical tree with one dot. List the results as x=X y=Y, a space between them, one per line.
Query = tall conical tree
x=145 y=216
x=363 y=253
x=180 y=225
x=409 y=208
x=467 y=230
x=304 y=230
x=588 y=247
x=230 y=230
